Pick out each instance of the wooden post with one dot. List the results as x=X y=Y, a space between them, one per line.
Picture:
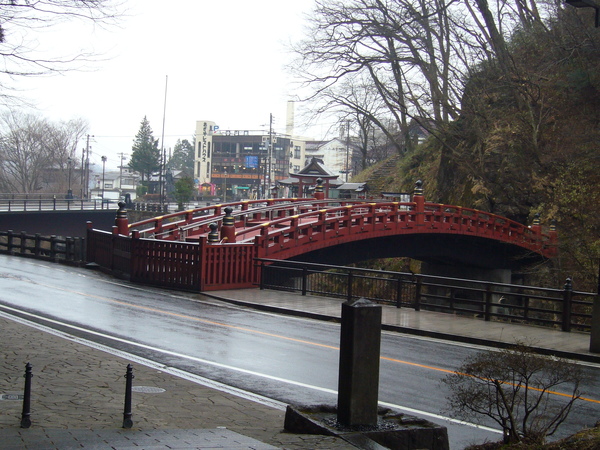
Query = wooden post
x=228 y=226
x=121 y=221
x=319 y=194
x=419 y=200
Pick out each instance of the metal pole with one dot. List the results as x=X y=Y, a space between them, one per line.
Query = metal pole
x=26 y=415
x=567 y=305
x=270 y=155
x=87 y=168
x=127 y=414
x=347 y=147
x=162 y=145
x=69 y=166
x=103 y=167
x=82 y=178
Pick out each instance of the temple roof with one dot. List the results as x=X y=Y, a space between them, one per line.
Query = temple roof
x=315 y=169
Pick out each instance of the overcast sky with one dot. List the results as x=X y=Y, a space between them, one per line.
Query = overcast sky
x=224 y=61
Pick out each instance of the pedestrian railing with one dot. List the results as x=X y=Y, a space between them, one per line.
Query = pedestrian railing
x=53 y=204
x=49 y=248
x=563 y=308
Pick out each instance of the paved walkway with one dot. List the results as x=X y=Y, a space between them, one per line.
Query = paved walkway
x=78 y=391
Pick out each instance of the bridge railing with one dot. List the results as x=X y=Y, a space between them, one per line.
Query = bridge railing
x=291 y=232
x=49 y=248
x=181 y=224
x=562 y=308
x=189 y=266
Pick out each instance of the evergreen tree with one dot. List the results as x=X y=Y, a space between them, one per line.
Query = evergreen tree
x=145 y=156
x=184 y=191
x=183 y=157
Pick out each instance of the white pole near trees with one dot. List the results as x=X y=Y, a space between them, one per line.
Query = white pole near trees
x=162 y=146
x=347 y=147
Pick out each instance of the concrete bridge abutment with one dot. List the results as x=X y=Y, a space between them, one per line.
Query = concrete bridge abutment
x=500 y=302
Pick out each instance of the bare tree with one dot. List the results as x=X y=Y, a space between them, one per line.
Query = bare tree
x=514 y=387
x=35 y=152
x=403 y=48
x=417 y=56
x=20 y=20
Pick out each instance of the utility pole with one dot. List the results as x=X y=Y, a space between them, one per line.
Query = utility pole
x=161 y=190
x=87 y=168
x=270 y=153
x=122 y=158
x=103 y=171
x=82 y=178
x=347 y=147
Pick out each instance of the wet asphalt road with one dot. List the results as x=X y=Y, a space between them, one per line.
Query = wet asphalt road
x=289 y=359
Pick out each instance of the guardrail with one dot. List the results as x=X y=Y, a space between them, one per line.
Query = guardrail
x=564 y=308
x=54 y=204
x=49 y=248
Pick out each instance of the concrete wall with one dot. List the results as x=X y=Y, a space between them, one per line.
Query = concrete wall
x=59 y=223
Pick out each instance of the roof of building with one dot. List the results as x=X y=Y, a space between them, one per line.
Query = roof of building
x=315 y=168
x=357 y=187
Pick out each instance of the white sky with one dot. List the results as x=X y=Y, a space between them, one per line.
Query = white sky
x=224 y=61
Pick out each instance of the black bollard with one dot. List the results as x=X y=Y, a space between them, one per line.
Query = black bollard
x=26 y=415
x=127 y=422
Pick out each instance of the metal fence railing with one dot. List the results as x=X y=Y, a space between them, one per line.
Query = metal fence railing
x=563 y=308
x=49 y=248
x=54 y=204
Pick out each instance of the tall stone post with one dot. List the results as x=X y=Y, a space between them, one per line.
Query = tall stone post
x=358 y=385
x=121 y=221
x=595 y=337
x=228 y=227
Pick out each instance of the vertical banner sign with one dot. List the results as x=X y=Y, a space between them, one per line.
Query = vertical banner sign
x=204 y=134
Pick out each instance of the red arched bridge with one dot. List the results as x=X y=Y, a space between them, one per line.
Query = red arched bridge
x=216 y=247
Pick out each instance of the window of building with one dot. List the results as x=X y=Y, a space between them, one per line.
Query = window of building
x=297 y=152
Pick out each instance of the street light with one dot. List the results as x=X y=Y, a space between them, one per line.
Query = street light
x=103 y=167
x=69 y=166
x=586 y=4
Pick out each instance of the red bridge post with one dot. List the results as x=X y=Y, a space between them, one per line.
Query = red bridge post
x=419 y=200
x=121 y=221
x=553 y=239
x=228 y=226
x=319 y=194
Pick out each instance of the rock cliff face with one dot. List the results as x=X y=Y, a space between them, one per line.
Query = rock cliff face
x=526 y=143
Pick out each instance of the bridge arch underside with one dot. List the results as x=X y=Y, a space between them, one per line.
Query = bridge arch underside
x=439 y=249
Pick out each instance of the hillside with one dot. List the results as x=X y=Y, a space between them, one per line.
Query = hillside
x=524 y=145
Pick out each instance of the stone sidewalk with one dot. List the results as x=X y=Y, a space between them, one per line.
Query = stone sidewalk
x=78 y=399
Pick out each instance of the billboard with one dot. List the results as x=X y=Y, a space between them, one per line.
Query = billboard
x=252 y=162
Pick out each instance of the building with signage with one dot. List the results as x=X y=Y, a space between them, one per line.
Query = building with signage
x=243 y=164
